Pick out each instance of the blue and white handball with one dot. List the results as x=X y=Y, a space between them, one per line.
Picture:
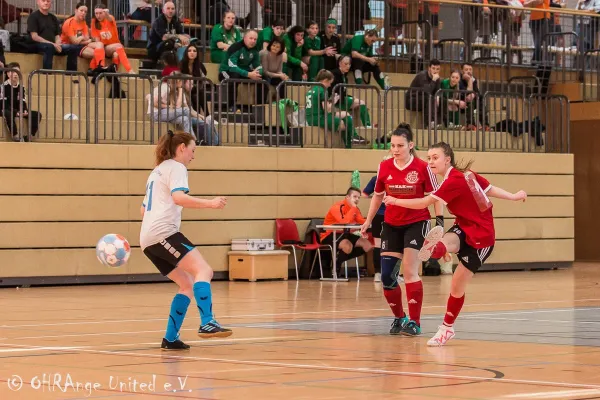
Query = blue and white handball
x=113 y=250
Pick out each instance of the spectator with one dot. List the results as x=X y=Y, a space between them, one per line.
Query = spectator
x=320 y=112
x=360 y=48
x=330 y=38
x=104 y=30
x=474 y=100
x=191 y=65
x=273 y=10
x=312 y=46
x=271 y=60
x=14 y=104
x=451 y=100
x=294 y=47
x=202 y=126
x=169 y=59
x=167 y=104
x=222 y=37
x=44 y=29
x=588 y=27
x=166 y=33
x=348 y=103
x=143 y=12
x=344 y=212
x=540 y=23
x=266 y=35
x=420 y=96
x=242 y=62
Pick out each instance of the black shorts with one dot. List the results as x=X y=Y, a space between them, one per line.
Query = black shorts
x=328 y=240
x=167 y=254
x=395 y=239
x=377 y=225
x=468 y=255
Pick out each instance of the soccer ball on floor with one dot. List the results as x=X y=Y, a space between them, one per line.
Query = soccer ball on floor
x=113 y=250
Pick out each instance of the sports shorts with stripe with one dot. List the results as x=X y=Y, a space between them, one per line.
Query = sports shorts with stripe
x=395 y=239
x=166 y=254
x=468 y=255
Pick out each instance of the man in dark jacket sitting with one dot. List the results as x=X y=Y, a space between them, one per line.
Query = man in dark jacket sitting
x=421 y=95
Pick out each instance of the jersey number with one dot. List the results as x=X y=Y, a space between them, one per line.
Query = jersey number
x=149 y=195
x=309 y=100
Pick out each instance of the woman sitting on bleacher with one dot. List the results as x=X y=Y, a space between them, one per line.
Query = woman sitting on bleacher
x=452 y=102
x=104 y=30
x=167 y=104
x=222 y=36
x=272 y=59
x=75 y=31
x=191 y=65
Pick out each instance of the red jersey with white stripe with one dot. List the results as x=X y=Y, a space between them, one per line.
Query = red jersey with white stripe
x=410 y=181
x=465 y=196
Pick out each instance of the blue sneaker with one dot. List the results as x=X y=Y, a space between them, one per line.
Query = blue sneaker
x=398 y=325
x=212 y=330
x=411 y=329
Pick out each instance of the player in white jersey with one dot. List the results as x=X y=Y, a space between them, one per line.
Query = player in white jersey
x=168 y=249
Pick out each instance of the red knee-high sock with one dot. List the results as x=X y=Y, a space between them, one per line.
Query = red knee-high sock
x=414 y=297
x=394 y=299
x=439 y=250
x=123 y=59
x=99 y=56
x=453 y=309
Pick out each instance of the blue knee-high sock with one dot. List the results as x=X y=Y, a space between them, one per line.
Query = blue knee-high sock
x=179 y=307
x=203 y=297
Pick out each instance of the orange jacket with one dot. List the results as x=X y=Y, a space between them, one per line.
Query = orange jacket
x=342 y=213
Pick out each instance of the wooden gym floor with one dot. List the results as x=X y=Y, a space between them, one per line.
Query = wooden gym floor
x=521 y=335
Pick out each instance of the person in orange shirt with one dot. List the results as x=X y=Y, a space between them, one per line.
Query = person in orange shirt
x=104 y=30
x=342 y=213
x=540 y=23
x=76 y=32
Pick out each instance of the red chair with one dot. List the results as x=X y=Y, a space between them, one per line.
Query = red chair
x=286 y=235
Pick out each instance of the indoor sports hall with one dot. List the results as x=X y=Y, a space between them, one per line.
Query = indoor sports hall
x=275 y=280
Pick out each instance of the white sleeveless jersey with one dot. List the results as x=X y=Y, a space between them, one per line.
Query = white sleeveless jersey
x=162 y=217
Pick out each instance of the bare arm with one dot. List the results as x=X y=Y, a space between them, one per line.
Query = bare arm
x=500 y=193
x=415 y=204
x=356 y=54
x=142 y=210
x=187 y=201
x=438 y=207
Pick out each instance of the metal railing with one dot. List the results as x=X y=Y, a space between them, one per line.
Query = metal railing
x=412 y=106
x=549 y=124
x=507 y=114
x=591 y=75
x=119 y=114
x=459 y=119
x=59 y=95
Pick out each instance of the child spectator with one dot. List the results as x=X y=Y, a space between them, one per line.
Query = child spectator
x=14 y=104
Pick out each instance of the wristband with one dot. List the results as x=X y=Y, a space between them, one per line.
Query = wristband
x=439 y=220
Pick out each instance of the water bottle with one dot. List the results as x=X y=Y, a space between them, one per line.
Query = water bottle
x=483 y=202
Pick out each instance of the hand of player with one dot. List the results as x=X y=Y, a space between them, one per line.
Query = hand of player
x=58 y=47
x=447 y=257
x=304 y=66
x=219 y=202
x=330 y=51
x=363 y=229
x=373 y=61
x=389 y=201
x=520 y=195
x=435 y=77
x=254 y=75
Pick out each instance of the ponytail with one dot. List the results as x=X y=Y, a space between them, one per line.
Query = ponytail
x=448 y=152
x=166 y=148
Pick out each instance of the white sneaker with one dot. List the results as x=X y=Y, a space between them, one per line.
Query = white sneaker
x=443 y=335
x=433 y=237
x=377 y=277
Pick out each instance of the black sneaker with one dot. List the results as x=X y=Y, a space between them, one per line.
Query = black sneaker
x=411 y=329
x=359 y=140
x=397 y=325
x=212 y=330
x=175 y=345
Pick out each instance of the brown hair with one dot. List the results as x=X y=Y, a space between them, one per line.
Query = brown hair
x=167 y=145
x=324 y=75
x=404 y=129
x=95 y=22
x=448 y=152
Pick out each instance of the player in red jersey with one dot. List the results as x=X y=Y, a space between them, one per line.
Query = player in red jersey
x=404 y=230
x=472 y=237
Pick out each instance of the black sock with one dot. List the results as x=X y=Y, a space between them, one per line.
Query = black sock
x=377 y=259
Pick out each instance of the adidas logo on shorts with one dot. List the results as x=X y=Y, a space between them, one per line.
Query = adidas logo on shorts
x=413 y=242
x=465 y=259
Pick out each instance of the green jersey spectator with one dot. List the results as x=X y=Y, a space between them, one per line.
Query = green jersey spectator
x=222 y=36
x=266 y=35
x=295 y=67
x=360 y=48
